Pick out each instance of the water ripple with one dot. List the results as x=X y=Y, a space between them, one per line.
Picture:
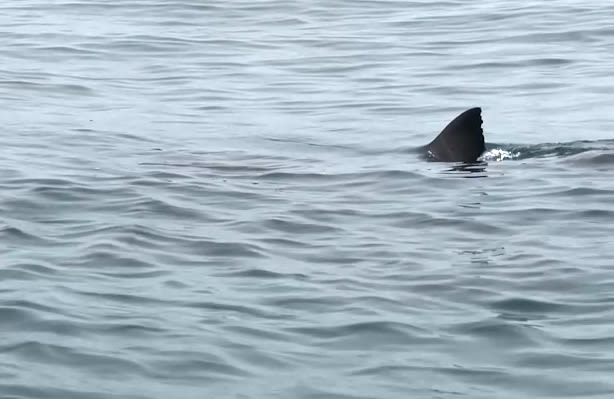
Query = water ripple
x=229 y=200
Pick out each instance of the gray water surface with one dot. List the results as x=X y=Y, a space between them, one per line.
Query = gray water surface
x=224 y=200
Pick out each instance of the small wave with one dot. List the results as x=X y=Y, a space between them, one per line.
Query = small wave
x=386 y=333
x=603 y=150
x=511 y=332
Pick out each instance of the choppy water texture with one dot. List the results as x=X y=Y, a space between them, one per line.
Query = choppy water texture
x=223 y=199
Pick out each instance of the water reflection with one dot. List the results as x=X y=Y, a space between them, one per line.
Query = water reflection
x=469 y=170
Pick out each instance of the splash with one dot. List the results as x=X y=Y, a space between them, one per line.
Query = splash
x=499 y=154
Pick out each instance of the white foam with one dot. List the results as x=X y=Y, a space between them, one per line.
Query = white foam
x=498 y=154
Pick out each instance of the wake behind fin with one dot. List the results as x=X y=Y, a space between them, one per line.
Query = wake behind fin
x=461 y=141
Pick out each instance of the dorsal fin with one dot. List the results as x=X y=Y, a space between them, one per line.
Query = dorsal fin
x=461 y=141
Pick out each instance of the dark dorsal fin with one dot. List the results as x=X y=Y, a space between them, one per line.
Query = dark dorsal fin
x=461 y=141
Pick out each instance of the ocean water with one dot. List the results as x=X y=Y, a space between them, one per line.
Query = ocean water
x=206 y=199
